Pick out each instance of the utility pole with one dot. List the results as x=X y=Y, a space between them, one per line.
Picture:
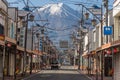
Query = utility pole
x=25 y=42
x=106 y=16
x=101 y=45
x=102 y=55
x=31 y=64
x=80 y=45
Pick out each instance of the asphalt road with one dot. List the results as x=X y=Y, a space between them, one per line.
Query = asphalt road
x=65 y=73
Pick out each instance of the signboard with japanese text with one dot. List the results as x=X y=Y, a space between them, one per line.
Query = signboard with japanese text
x=95 y=11
x=2 y=37
x=63 y=44
x=108 y=30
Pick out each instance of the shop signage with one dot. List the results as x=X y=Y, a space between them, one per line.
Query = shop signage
x=108 y=30
x=9 y=45
x=63 y=44
x=115 y=50
x=95 y=10
x=109 y=51
x=2 y=37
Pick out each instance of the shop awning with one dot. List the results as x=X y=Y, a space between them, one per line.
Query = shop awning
x=93 y=52
x=106 y=45
x=20 y=48
x=115 y=43
x=10 y=40
x=37 y=52
x=84 y=54
x=29 y=51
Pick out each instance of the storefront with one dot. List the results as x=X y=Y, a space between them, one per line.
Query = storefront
x=85 y=61
x=1 y=57
x=19 y=60
x=116 y=59
x=93 y=62
x=10 y=51
x=104 y=60
x=107 y=61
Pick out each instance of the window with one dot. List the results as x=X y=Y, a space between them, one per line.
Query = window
x=1 y=29
x=18 y=30
x=94 y=36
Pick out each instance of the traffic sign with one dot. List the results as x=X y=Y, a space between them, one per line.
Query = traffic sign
x=108 y=30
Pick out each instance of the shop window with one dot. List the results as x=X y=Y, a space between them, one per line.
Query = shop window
x=18 y=42
x=18 y=30
x=1 y=29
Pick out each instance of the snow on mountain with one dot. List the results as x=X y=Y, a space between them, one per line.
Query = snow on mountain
x=58 y=15
x=61 y=18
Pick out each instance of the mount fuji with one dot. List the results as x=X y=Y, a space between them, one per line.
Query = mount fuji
x=61 y=19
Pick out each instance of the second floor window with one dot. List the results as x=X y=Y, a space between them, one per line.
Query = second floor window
x=1 y=29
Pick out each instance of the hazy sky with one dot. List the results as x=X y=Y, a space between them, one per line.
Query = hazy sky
x=20 y=3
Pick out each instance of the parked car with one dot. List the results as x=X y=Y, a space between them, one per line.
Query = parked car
x=66 y=63
x=55 y=64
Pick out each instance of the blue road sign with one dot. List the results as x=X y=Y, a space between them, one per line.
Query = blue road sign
x=108 y=30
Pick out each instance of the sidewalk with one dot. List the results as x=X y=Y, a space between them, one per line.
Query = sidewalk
x=93 y=76
x=20 y=77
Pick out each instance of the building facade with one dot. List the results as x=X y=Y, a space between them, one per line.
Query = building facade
x=116 y=36
x=3 y=26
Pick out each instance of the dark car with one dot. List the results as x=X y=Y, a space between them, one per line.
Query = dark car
x=55 y=65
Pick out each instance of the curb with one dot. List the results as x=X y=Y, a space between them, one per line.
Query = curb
x=85 y=75
x=26 y=78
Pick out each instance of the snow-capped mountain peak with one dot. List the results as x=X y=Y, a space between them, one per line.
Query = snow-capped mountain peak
x=56 y=8
x=61 y=18
x=52 y=8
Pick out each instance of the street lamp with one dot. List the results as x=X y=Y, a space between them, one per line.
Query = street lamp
x=31 y=17
x=86 y=15
x=93 y=21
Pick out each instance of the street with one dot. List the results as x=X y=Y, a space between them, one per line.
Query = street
x=65 y=73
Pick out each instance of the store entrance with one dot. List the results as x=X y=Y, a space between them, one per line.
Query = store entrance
x=108 y=66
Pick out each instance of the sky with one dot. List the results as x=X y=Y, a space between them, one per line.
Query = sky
x=71 y=3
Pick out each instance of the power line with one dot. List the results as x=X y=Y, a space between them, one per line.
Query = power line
x=24 y=2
